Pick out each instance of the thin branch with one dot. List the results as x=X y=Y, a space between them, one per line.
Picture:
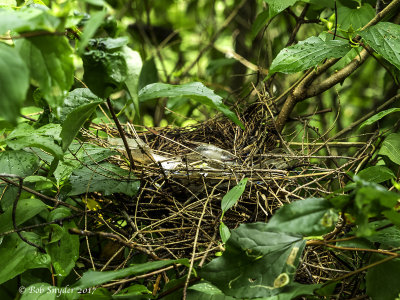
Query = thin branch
x=121 y=133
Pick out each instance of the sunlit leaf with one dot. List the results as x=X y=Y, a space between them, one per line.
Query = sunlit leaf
x=195 y=90
x=308 y=53
x=384 y=38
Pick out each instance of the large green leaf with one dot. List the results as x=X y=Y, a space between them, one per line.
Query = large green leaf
x=257 y=262
x=382 y=281
x=27 y=19
x=65 y=252
x=19 y=163
x=376 y=174
x=391 y=147
x=18 y=256
x=74 y=121
x=384 y=38
x=354 y=18
x=50 y=62
x=105 y=178
x=105 y=66
x=26 y=209
x=94 y=278
x=26 y=136
x=75 y=99
x=194 y=90
x=312 y=216
x=14 y=78
x=148 y=74
x=308 y=53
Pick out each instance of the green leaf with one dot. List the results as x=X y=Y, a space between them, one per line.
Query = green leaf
x=379 y=116
x=75 y=99
x=90 y=28
x=26 y=209
x=309 y=217
x=376 y=174
x=387 y=237
x=308 y=53
x=65 y=252
x=74 y=121
x=50 y=61
x=14 y=78
x=19 y=163
x=349 y=18
x=224 y=232
x=277 y=6
x=133 y=290
x=20 y=256
x=195 y=90
x=148 y=73
x=134 y=65
x=27 y=19
x=94 y=278
x=384 y=38
x=241 y=271
x=260 y=21
x=233 y=195
x=382 y=281
x=44 y=138
x=105 y=67
x=105 y=178
x=391 y=147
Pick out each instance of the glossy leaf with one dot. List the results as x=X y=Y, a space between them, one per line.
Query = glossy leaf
x=74 y=121
x=43 y=138
x=20 y=256
x=224 y=232
x=233 y=195
x=95 y=278
x=391 y=147
x=105 y=178
x=379 y=116
x=376 y=174
x=50 y=61
x=308 y=53
x=195 y=90
x=384 y=38
x=26 y=209
x=105 y=68
x=308 y=217
x=19 y=163
x=14 y=78
x=75 y=99
x=241 y=271
x=277 y=6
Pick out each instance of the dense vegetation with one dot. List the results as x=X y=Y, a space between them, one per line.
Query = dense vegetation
x=299 y=99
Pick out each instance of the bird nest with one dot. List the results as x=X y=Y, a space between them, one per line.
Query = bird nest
x=176 y=212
